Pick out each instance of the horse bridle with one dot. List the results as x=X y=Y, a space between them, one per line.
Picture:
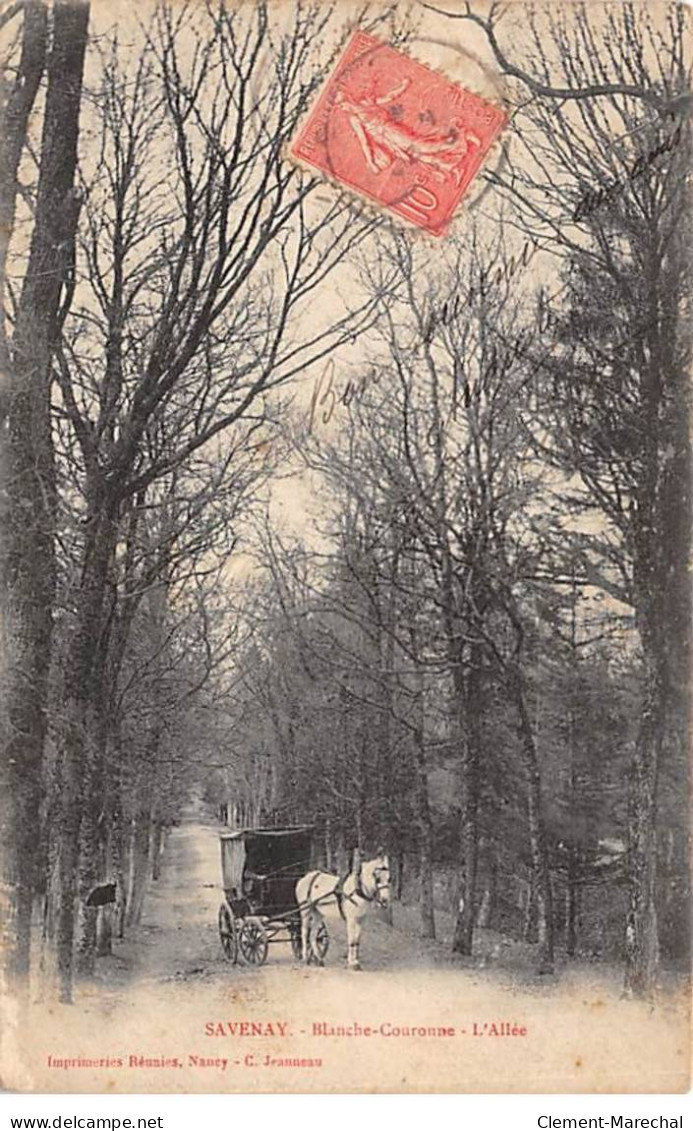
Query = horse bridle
x=379 y=887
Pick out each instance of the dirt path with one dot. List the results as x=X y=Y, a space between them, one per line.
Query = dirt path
x=178 y=939
x=168 y=1013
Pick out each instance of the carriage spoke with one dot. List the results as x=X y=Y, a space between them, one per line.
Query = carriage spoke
x=252 y=942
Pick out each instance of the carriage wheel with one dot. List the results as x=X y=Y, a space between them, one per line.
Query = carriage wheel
x=227 y=934
x=252 y=943
x=322 y=941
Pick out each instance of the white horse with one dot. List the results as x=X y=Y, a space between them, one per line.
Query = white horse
x=353 y=897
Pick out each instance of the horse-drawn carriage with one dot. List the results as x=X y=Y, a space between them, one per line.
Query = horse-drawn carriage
x=260 y=869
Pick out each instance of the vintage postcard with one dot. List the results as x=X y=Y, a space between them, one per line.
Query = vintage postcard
x=345 y=514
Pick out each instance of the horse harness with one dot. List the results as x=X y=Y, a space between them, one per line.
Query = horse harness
x=341 y=895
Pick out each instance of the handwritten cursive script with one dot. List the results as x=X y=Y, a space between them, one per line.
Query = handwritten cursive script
x=489 y=278
x=594 y=198
x=327 y=395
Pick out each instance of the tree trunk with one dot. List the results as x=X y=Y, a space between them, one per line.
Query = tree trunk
x=399 y=876
x=468 y=695
x=17 y=104
x=93 y=841
x=83 y=723
x=104 y=931
x=660 y=540
x=529 y=915
x=537 y=832
x=157 y=844
x=572 y=899
x=341 y=852
x=25 y=628
x=486 y=905
x=118 y=858
x=139 y=864
x=67 y=855
x=642 y=947
x=428 y=927
x=28 y=566
x=328 y=844
x=386 y=815
x=89 y=875
x=428 y=919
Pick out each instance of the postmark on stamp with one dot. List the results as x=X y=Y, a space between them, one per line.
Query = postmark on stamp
x=398 y=133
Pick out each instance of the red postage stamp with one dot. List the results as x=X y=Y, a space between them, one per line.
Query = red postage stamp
x=395 y=131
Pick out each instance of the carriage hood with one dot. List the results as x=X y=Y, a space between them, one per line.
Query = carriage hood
x=265 y=852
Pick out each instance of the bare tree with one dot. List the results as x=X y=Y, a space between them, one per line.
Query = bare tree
x=28 y=338
x=199 y=249
x=604 y=184
x=446 y=432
